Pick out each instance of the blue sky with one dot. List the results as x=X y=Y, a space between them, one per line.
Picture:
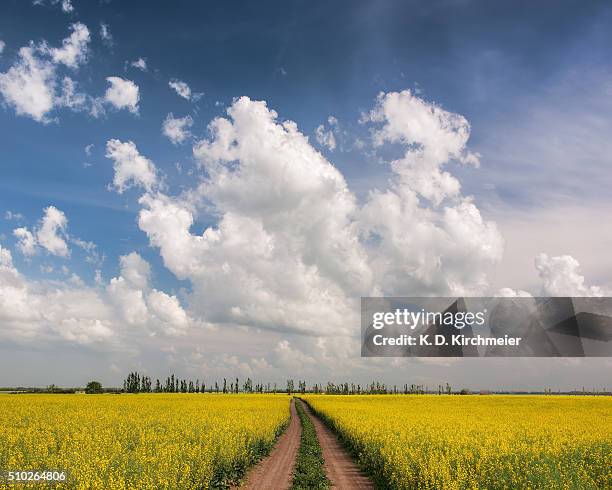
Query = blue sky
x=533 y=81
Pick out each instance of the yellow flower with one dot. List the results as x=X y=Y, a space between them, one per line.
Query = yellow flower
x=137 y=441
x=494 y=441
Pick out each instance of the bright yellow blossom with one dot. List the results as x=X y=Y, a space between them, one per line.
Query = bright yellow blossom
x=144 y=441
x=457 y=442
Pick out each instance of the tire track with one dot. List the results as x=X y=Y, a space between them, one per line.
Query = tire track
x=276 y=470
x=339 y=466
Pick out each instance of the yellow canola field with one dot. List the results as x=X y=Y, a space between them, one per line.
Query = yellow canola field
x=178 y=441
x=456 y=442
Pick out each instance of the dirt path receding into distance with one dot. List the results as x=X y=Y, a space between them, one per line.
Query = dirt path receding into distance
x=339 y=467
x=276 y=470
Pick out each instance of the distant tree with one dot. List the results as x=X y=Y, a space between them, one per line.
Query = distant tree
x=93 y=387
x=135 y=383
x=290 y=386
x=145 y=384
x=132 y=383
x=302 y=386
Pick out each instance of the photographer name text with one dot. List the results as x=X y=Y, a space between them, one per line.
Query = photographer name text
x=442 y=339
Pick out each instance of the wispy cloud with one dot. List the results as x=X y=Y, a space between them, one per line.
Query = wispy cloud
x=183 y=90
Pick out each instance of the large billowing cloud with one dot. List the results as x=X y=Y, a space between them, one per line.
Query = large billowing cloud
x=283 y=258
x=293 y=250
x=426 y=238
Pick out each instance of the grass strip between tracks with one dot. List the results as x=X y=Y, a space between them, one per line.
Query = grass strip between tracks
x=309 y=470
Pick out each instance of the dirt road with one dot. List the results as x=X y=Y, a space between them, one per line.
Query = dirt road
x=339 y=467
x=276 y=471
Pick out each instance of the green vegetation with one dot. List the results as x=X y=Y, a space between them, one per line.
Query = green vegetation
x=309 y=471
x=94 y=388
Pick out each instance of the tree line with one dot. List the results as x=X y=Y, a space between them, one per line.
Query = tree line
x=137 y=383
x=140 y=383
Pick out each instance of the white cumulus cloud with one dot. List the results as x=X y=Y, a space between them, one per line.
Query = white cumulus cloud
x=30 y=84
x=292 y=248
x=122 y=94
x=415 y=245
x=433 y=138
x=287 y=246
x=26 y=241
x=135 y=270
x=50 y=234
x=139 y=304
x=176 y=129
x=131 y=168
x=74 y=49
x=561 y=277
